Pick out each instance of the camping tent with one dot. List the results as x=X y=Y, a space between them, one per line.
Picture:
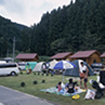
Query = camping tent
x=39 y=67
x=30 y=65
x=75 y=71
x=52 y=64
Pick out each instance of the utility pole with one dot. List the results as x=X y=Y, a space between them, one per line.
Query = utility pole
x=13 y=48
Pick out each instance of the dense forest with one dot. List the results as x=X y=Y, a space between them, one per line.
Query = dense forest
x=78 y=26
x=9 y=30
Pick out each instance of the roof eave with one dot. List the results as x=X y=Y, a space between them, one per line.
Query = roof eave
x=78 y=57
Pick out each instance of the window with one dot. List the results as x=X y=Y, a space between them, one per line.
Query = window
x=94 y=61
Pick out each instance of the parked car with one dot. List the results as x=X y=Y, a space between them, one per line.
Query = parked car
x=1 y=62
x=9 y=69
x=96 y=67
x=21 y=65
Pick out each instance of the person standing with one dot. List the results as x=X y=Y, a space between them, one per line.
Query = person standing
x=83 y=72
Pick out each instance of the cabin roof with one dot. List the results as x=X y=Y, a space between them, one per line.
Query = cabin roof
x=26 y=56
x=60 y=55
x=84 y=54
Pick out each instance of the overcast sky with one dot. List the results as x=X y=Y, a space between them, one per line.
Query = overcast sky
x=28 y=12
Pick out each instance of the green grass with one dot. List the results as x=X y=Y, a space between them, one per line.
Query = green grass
x=30 y=88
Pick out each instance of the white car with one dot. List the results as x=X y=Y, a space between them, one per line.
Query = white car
x=1 y=62
x=9 y=69
x=21 y=65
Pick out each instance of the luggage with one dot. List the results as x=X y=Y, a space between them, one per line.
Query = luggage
x=102 y=77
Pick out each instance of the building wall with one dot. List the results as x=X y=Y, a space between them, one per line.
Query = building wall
x=94 y=58
x=25 y=60
x=68 y=57
x=84 y=59
x=104 y=61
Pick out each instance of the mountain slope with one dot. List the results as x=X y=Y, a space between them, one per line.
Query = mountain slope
x=8 y=30
x=78 y=26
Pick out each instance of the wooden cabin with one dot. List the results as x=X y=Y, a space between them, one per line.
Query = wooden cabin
x=92 y=56
x=62 y=56
x=27 y=57
x=103 y=57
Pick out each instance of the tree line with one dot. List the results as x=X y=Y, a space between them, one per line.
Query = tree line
x=78 y=26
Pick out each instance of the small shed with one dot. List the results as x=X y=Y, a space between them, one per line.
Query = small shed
x=27 y=57
x=62 y=56
x=103 y=57
x=92 y=56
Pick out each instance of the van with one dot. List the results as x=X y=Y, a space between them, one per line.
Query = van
x=1 y=62
x=9 y=69
x=21 y=65
x=96 y=67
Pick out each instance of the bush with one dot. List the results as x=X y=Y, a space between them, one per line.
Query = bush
x=35 y=82
x=43 y=81
x=22 y=84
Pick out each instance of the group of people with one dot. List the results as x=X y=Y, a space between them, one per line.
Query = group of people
x=72 y=87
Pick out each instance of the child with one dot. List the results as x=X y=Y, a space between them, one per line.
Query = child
x=85 y=79
x=77 y=88
x=59 y=86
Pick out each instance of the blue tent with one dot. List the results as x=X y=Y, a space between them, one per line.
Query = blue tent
x=75 y=71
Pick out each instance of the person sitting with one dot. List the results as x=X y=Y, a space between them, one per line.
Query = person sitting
x=59 y=86
x=71 y=86
x=77 y=88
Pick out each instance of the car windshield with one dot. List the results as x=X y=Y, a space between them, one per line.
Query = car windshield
x=21 y=64
x=97 y=65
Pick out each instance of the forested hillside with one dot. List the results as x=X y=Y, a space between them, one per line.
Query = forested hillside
x=78 y=26
x=8 y=31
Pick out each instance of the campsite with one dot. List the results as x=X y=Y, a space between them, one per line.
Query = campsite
x=52 y=52
x=14 y=83
x=41 y=79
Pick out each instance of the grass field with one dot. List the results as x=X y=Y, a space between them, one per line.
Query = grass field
x=30 y=88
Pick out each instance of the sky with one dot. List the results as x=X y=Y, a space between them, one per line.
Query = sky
x=28 y=12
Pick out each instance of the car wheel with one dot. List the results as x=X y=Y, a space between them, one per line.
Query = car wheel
x=13 y=74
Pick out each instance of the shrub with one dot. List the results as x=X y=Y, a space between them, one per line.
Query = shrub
x=22 y=84
x=35 y=82
x=43 y=81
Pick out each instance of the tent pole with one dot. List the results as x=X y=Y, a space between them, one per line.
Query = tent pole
x=63 y=75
